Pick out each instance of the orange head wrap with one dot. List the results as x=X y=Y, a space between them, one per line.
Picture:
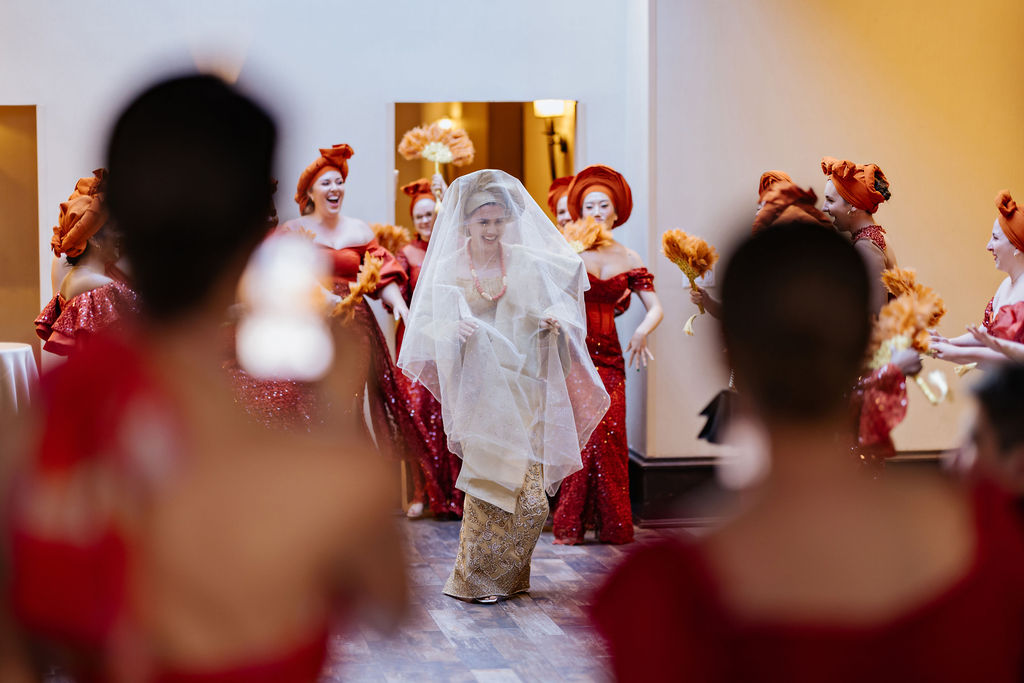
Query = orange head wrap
x=1011 y=218
x=856 y=183
x=335 y=157
x=417 y=190
x=81 y=216
x=768 y=180
x=598 y=178
x=785 y=202
x=558 y=189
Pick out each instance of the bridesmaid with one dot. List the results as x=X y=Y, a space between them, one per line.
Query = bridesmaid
x=92 y=295
x=1004 y=315
x=435 y=473
x=558 y=200
x=853 y=193
x=347 y=242
x=597 y=497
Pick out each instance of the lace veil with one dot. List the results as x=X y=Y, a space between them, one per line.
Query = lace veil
x=515 y=393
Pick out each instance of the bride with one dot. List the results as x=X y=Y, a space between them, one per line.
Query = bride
x=497 y=334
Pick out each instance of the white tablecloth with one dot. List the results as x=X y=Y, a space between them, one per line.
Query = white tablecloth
x=19 y=377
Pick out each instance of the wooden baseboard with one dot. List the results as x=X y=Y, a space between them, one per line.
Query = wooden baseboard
x=683 y=492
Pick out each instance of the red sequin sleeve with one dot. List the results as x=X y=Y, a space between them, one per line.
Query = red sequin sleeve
x=407 y=286
x=1009 y=323
x=640 y=280
x=391 y=271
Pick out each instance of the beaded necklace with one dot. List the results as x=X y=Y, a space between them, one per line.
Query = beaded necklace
x=476 y=280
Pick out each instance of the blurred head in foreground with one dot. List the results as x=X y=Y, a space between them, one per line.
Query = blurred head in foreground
x=795 y=322
x=998 y=432
x=190 y=189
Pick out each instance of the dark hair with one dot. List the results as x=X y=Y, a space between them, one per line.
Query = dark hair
x=882 y=186
x=190 y=166
x=795 y=318
x=1001 y=396
x=73 y=260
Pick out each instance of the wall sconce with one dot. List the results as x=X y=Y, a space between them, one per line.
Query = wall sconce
x=446 y=123
x=549 y=110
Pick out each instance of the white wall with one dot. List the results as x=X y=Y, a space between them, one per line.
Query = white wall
x=329 y=70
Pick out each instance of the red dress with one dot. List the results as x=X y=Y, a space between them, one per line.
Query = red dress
x=286 y=404
x=597 y=497
x=1008 y=324
x=69 y=583
x=878 y=405
x=436 y=469
x=663 y=618
x=63 y=325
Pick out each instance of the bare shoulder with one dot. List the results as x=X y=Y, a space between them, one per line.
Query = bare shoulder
x=79 y=281
x=869 y=249
x=631 y=257
x=359 y=226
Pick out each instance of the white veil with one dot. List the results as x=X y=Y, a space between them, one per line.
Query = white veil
x=514 y=393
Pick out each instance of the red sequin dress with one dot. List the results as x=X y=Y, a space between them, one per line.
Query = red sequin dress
x=63 y=325
x=878 y=405
x=664 y=617
x=879 y=399
x=436 y=469
x=597 y=497
x=1008 y=323
x=70 y=584
x=286 y=404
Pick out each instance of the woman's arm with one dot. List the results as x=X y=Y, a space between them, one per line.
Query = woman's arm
x=966 y=354
x=1011 y=349
x=637 y=351
x=392 y=296
x=874 y=259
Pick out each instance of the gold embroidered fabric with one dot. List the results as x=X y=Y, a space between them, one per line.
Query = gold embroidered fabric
x=495 y=547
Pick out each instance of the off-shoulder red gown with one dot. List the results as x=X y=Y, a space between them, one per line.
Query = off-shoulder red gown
x=597 y=497
x=63 y=324
x=1008 y=323
x=436 y=469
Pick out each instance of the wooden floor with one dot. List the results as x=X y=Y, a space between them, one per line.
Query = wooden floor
x=540 y=636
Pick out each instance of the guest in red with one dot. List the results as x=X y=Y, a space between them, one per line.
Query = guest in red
x=93 y=294
x=154 y=533
x=853 y=193
x=825 y=574
x=1004 y=315
x=558 y=200
x=436 y=471
x=597 y=497
x=347 y=242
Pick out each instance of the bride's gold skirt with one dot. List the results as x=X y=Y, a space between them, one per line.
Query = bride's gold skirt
x=495 y=546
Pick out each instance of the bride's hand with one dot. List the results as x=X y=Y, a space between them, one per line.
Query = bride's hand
x=466 y=329
x=550 y=325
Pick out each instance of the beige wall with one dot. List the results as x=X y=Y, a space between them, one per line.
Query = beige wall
x=932 y=92
x=19 y=270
